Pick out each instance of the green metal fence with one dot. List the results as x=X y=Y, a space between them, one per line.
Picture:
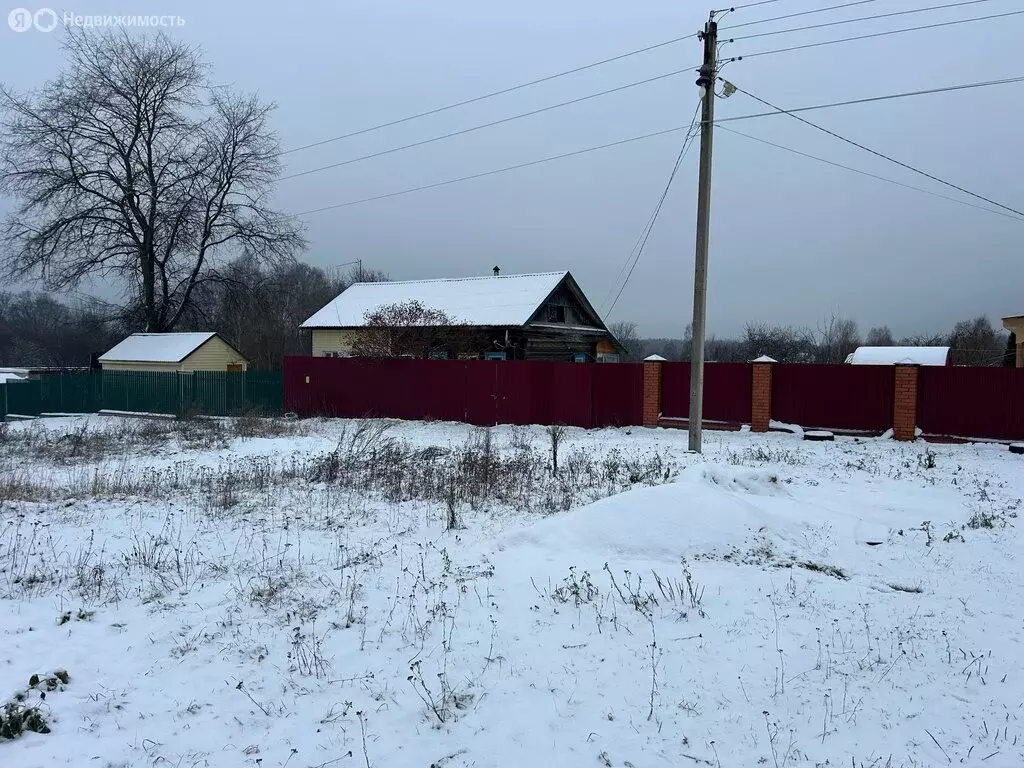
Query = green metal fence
x=70 y=393
x=230 y=394
x=200 y=393
x=20 y=399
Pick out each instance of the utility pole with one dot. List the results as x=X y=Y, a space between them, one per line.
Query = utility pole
x=359 y=273
x=706 y=81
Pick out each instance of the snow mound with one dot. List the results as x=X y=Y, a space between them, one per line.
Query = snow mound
x=708 y=507
x=738 y=480
x=713 y=511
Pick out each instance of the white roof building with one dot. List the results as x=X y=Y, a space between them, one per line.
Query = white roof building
x=899 y=356
x=200 y=351
x=542 y=315
x=506 y=300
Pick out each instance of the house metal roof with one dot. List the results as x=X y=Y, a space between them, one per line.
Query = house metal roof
x=506 y=300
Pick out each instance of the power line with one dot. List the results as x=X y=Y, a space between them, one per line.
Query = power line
x=800 y=13
x=875 y=34
x=662 y=133
x=861 y=18
x=492 y=94
x=880 y=154
x=654 y=214
x=494 y=171
x=869 y=175
x=687 y=143
x=867 y=100
x=741 y=7
x=486 y=125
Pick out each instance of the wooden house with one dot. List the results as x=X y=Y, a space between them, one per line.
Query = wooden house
x=542 y=316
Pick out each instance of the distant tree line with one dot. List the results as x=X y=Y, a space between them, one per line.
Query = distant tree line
x=257 y=307
x=971 y=342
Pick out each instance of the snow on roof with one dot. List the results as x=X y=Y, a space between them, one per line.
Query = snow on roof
x=503 y=300
x=899 y=355
x=654 y=359
x=5 y=377
x=764 y=359
x=156 y=347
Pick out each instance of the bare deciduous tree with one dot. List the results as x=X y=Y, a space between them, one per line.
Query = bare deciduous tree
x=880 y=336
x=38 y=330
x=260 y=307
x=976 y=342
x=925 y=340
x=837 y=338
x=783 y=343
x=405 y=329
x=129 y=165
x=626 y=333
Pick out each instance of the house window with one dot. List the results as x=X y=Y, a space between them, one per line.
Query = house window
x=494 y=356
x=554 y=313
x=608 y=357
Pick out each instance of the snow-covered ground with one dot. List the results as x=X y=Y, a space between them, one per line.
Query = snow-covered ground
x=222 y=599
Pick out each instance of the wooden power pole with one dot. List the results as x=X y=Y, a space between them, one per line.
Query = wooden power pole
x=706 y=81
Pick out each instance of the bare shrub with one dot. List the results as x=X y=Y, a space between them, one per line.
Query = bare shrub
x=766 y=454
x=520 y=439
x=177 y=565
x=444 y=700
x=252 y=425
x=307 y=653
x=576 y=588
x=366 y=460
x=632 y=592
x=556 y=433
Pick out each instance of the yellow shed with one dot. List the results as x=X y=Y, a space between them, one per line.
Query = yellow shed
x=204 y=351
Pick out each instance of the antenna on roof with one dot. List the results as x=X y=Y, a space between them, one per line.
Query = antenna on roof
x=497 y=271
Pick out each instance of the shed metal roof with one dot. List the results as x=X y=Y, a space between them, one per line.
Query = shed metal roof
x=899 y=355
x=156 y=347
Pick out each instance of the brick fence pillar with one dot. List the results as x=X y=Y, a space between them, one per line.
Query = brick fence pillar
x=761 y=400
x=904 y=416
x=652 y=390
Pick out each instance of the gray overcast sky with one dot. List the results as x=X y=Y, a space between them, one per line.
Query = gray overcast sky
x=792 y=239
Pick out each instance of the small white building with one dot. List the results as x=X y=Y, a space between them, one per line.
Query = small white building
x=899 y=356
x=182 y=352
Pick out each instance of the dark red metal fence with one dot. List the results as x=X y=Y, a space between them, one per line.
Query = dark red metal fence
x=472 y=391
x=727 y=391
x=617 y=394
x=852 y=397
x=971 y=402
x=675 y=389
x=961 y=402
